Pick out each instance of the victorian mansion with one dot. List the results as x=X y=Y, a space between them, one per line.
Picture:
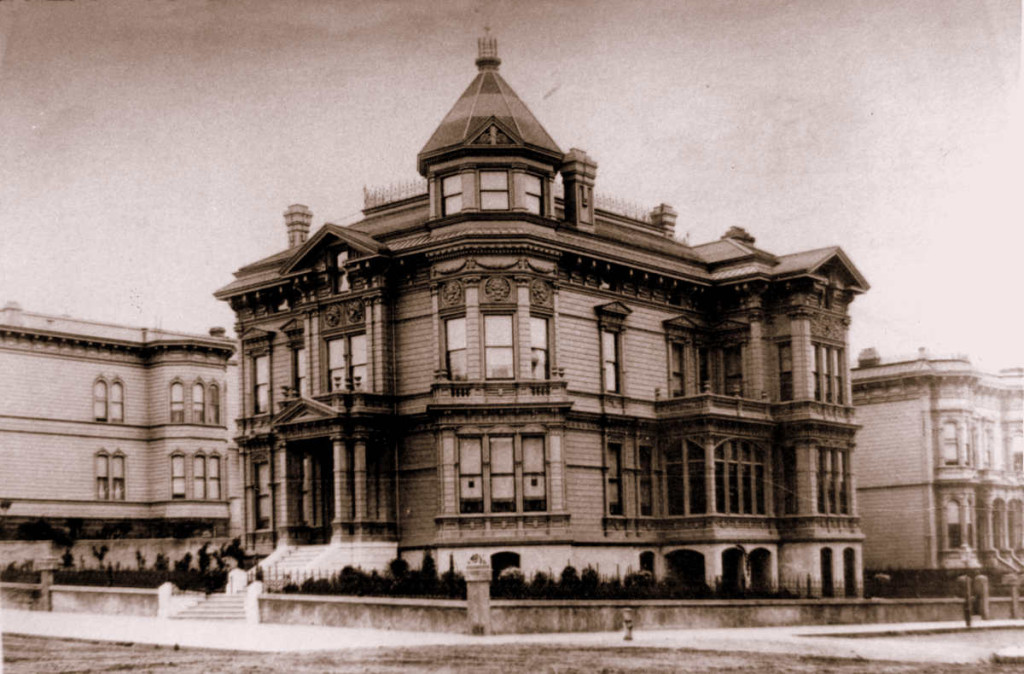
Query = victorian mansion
x=502 y=363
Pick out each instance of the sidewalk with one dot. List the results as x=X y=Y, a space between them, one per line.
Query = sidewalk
x=799 y=640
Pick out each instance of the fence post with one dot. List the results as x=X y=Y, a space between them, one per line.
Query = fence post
x=965 y=581
x=252 y=602
x=478 y=595
x=237 y=581
x=163 y=600
x=1014 y=581
x=46 y=568
x=981 y=589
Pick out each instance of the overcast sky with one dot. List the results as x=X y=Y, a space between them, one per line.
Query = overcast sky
x=149 y=149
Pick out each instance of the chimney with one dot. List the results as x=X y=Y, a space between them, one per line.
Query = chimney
x=664 y=217
x=297 y=219
x=217 y=332
x=578 y=173
x=739 y=234
x=11 y=314
x=869 y=358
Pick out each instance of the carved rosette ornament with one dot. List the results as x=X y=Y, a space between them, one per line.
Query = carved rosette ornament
x=540 y=293
x=354 y=311
x=451 y=294
x=497 y=289
x=332 y=316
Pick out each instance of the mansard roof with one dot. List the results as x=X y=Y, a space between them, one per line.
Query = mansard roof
x=488 y=113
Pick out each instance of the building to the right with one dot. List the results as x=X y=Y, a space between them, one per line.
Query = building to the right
x=940 y=463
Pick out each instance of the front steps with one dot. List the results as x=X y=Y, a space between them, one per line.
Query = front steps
x=294 y=564
x=216 y=607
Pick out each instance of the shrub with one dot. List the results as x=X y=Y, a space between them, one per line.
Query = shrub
x=204 y=558
x=234 y=551
x=509 y=584
x=161 y=563
x=67 y=560
x=184 y=563
x=99 y=553
x=140 y=560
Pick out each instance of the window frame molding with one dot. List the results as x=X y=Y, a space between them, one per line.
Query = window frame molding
x=109 y=480
x=180 y=418
x=519 y=475
x=179 y=454
x=96 y=400
x=200 y=419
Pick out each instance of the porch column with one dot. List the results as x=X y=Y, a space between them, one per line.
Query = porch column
x=282 y=489
x=341 y=507
x=474 y=352
x=1004 y=539
x=806 y=478
x=556 y=472
x=990 y=542
x=754 y=357
x=964 y=514
x=359 y=478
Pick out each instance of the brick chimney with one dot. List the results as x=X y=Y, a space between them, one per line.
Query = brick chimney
x=578 y=173
x=664 y=217
x=217 y=332
x=297 y=219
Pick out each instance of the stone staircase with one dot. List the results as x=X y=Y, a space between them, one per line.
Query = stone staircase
x=216 y=607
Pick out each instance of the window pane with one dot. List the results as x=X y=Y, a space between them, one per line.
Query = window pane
x=532 y=204
x=498 y=330
x=532 y=184
x=263 y=370
x=214 y=466
x=469 y=456
x=178 y=466
x=117 y=393
x=533 y=455
x=117 y=466
x=501 y=455
x=456 y=333
x=336 y=354
x=453 y=204
x=358 y=345
x=538 y=332
x=608 y=345
x=499 y=362
x=451 y=185
x=494 y=201
x=457 y=364
x=502 y=488
x=493 y=180
x=101 y=466
x=471 y=488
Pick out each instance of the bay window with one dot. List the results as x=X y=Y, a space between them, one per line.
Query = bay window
x=471 y=488
x=534 y=199
x=534 y=475
x=502 y=465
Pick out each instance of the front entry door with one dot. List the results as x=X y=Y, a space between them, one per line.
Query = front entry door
x=317 y=492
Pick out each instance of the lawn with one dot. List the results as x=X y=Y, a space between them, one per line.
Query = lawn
x=35 y=654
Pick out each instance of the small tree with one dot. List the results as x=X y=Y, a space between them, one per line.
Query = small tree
x=204 y=558
x=140 y=560
x=184 y=563
x=161 y=562
x=67 y=560
x=99 y=553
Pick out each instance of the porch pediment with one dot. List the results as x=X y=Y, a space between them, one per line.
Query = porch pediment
x=302 y=410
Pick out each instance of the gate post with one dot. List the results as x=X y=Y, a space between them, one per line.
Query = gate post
x=478 y=595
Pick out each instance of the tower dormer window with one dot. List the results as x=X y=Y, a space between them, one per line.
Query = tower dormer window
x=534 y=199
x=451 y=193
x=494 y=190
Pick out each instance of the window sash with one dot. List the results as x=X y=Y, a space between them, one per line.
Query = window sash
x=494 y=190
x=301 y=369
x=471 y=492
x=785 y=371
x=451 y=194
x=610 y=360
x=539 y=348
x=534 y=195
x=676 y=370
x=198 y=404
x=614 y=479
x=116 y=408
x=213 y=479
x=646 y=481
x=214 y=403
x=103 y=477
x=199 y=477
x=261 y=367
x=733 y=357
x=499 y=352
x=178 y=477
x=534 y=475
x=99 y=401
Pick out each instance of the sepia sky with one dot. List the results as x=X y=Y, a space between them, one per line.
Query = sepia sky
x=149 y=149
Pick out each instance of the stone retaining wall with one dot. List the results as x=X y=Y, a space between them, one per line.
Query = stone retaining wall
x=421 y=615
x=106 y=600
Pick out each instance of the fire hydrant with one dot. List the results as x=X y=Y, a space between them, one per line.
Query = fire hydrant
x=627 y=621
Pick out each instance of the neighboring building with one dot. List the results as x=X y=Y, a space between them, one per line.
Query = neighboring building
x=113 y=431
x=940 y=463
x=485 y=366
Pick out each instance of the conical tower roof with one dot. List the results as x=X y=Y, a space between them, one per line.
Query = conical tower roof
x=487 y=100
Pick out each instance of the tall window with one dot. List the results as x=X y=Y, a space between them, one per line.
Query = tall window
x=740 y=478
x=261 y=497
x=339 y=260
x=785 y=371
x=498 y=347
x=198 y=404
x=494 y=190
x=789 y=481
x=177 y=403
x=610 y=360
x=539 y=348
x=117 y=402
x=676 y=370
x=213 y=478
x=117 y=477
x=697 y=481
x=833 y=478
x=646 y=480
x=300 y=370
x=261 y=385
x=455 y=346
x=829 y=366
x=346 y=358
x=733 y=357
x=704 y=370
x=950 y=448
x=503 y=490
x=675 y=469
x=451 y=194
x=199 y=476
x=99 y=401
x=102 y=477
x=953 y=539
x=177 y=476
x=534 y=194
x=534 y=475
x=614 y=479
x=826 y=488
x=214 y=412
x=471 y=488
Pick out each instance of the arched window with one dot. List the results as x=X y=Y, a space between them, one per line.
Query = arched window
x=177 y=403
x=953 y=539
x=117 y=401
x=103 y=476
x=213 y=478
x=213 y=405
x=99 y=400
x=177 y=476
x=199 y=476
x=198 y=403
x=117 y=487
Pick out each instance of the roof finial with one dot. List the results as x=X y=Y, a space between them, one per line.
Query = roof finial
x=487 y=56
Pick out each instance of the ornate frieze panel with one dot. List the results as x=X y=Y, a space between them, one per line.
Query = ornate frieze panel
x=452 y=294
x=497 y=290
x=824 y=326
x=344 y=314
